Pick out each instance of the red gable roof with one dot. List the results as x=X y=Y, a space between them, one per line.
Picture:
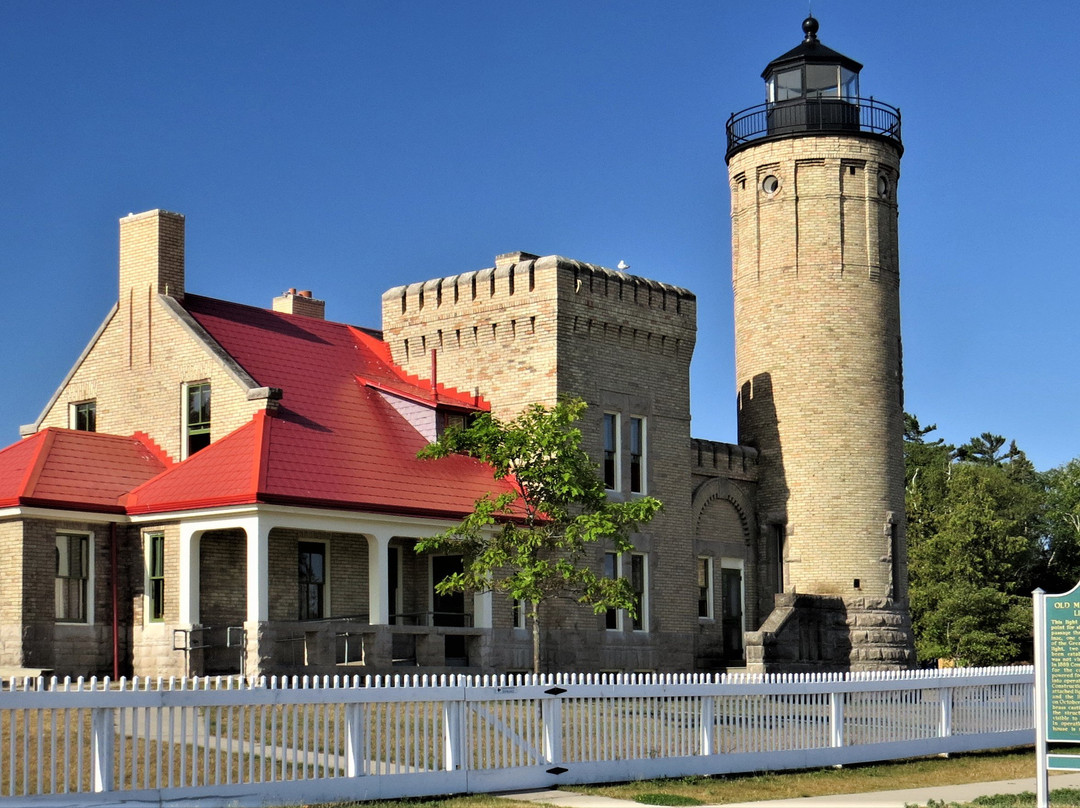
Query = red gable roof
x=62 y=468
x=334 y=441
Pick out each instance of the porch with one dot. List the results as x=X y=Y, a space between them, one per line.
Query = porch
x=280 y=592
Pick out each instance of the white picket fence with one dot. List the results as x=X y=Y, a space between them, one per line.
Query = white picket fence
x=278 y=742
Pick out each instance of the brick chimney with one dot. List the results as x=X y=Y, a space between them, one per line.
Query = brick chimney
x=294 y=302
x=151 y=255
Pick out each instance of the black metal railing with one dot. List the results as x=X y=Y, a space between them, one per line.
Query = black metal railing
x=812 y=116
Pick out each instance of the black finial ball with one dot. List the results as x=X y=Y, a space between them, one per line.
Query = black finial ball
x=810 y=28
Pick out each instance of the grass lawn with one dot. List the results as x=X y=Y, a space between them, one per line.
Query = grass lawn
x=920 y=773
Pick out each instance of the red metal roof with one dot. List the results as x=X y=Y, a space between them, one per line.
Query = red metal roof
x=333 y=442
x=63 y=468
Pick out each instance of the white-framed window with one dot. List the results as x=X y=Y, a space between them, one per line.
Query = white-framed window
x=519 y=609
x=637 y=446
x=705 y=588
x=74 y=577
x=612 y=617
x=154 y=545
x=635 y=567
x=82 y=415
x=612 y=453
x=312 y=580
x=195 y=414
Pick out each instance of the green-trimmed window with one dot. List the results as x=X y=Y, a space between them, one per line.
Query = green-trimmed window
x=72 y=577
x=198 y=417
x=155 y=565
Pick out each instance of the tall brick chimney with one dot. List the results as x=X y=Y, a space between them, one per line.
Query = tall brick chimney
x=294 y=302
x=151 y=255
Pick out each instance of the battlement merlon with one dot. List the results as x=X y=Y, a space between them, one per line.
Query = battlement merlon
x=524 y=272
x=713 y=458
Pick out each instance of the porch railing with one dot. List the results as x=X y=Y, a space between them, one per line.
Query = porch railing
x=260 y=742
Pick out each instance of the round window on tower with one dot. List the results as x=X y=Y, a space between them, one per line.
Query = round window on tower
x=770 y=185
x=883 y=186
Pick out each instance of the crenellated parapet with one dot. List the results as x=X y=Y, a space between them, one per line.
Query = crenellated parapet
x=716 y=459
x=505 y=328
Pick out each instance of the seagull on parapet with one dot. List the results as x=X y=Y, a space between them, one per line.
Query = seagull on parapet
x=623 y=265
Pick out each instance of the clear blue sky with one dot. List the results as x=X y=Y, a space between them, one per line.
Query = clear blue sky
x=347 y=147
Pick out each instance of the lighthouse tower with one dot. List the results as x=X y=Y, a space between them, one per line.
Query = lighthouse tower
x=813 y=174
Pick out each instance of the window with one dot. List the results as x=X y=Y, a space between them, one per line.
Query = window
x=779 y=545
x=639 y=583
x=611 y=451
x=637 y=455
x=517 y=614
x=705 y=588
x=311 y=580
x=155 y=576
x=635 y=567
x=197 y=417
x=451 y=420
x=72 y=577
x=84 y=416
x=611 y=570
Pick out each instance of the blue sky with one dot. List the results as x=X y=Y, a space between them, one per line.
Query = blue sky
x=351 y=147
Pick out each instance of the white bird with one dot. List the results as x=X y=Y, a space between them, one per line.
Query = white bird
x=623 y=265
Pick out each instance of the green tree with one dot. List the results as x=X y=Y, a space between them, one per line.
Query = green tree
x=1061 y=565
x=975 y=528
x=533 y=545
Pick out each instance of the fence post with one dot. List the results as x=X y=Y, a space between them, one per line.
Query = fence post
x=836 y=719
x=101 y=749
x=453 y=754
x=708 y=719
x=355 y=759
x=551 y=716
x=946 y=711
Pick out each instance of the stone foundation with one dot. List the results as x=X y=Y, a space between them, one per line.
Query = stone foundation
x=818 y=633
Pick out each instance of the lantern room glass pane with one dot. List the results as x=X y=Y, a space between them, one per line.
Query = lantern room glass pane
x=849 y=84
x=823 y=81
x=789 y=84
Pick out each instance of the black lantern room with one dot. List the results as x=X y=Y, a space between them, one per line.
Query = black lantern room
x=812 y=89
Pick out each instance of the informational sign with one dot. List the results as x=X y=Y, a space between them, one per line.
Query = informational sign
x=1057 y=683
x=1062 y=670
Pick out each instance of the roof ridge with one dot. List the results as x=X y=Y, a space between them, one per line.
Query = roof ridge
x=37 y=464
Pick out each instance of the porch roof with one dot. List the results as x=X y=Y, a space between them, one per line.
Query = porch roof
x=64 y=468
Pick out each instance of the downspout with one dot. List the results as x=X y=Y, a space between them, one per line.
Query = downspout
x=115 y=602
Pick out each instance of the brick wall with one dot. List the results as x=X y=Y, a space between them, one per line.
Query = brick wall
x=530 y=329
x=136 y=368
x=817 y=336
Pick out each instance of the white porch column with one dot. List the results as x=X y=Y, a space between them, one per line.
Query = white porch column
x=482 y=609
x=378 y=573
x=258 y=569
x=190 y=536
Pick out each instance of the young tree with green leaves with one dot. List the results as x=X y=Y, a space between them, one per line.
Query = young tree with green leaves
x=534 y=544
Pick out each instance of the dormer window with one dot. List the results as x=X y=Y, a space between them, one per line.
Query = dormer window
x=446 y=419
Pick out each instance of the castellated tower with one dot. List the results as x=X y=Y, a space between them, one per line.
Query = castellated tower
x=533 y=328
x=813 y=175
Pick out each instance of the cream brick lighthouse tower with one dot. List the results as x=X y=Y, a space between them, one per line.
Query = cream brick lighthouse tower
x=813 y=176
